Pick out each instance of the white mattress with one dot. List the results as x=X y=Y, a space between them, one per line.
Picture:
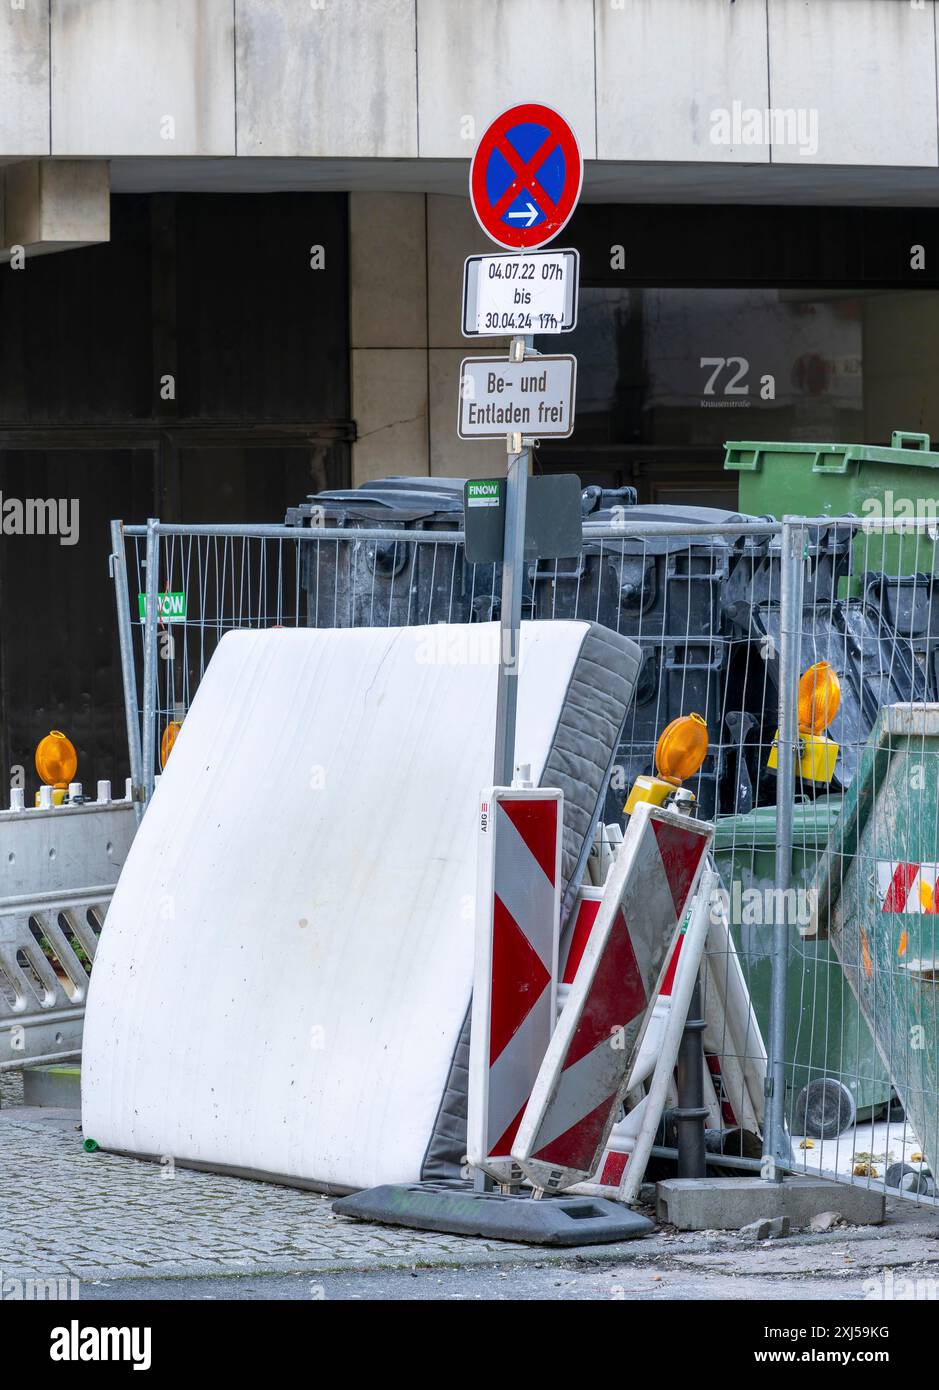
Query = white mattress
x=287 y=961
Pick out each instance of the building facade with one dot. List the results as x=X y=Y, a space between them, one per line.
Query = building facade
x=234 y=234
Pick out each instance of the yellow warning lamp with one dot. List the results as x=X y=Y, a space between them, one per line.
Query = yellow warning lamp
x=170 y=735
x=818 y=703
x=819 y=698
x=56 y=764
x=679 y=753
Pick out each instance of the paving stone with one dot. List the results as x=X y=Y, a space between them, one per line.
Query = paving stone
x=94 y=1214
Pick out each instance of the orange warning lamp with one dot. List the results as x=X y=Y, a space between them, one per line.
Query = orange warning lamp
x=682 y=748
x=56 y=759
x=679 y=753
x=56 y=763
x=170 y=734
x=818 y=702
x=819 y=698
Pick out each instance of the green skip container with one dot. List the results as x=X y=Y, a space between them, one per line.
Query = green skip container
x=879 y=905
x=900 y=484
x=826 y=1033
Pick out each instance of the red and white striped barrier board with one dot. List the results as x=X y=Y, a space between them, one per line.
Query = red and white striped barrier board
x=907 y=888
x=619 y=1145
x=515 y=984
x=586 y=1069
x=575 y=938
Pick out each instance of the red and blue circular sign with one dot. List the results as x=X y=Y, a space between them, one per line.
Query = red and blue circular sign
x=526 y=177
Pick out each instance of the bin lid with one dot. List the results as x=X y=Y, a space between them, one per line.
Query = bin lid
x=388 y=499
x=812 y=823
x=414 y=499
x=905 y=450
x=676 y=515
x=409 y=499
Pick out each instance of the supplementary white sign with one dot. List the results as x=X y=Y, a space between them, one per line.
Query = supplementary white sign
x=534 y=397
x=532 y=292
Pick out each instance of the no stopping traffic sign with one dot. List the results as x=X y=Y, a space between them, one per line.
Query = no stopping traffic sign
x=526 y=176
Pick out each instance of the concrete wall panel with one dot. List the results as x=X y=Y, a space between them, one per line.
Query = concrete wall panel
x=143 y=77
x=478 y=57
x=334 y=79
x=668 y=69
x=24 y=80
x=868 y=72
x=387 y=270
x=389 y=405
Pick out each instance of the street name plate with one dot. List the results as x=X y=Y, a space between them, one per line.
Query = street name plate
x=534 y=397
x=533 y=292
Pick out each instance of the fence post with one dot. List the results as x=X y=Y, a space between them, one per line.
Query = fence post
x=776 y=1150
x=128 y=674
x=150 y=656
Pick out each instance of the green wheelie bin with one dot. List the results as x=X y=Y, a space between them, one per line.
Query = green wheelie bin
x=826 y=1034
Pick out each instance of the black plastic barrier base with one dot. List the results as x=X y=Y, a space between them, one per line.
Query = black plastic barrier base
x=458 y=1208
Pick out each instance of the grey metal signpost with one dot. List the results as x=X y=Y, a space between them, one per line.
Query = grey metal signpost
x=536 y=393
x=522 y=293
x=513 y=558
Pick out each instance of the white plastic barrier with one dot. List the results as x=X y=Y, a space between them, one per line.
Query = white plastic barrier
x=288 y=958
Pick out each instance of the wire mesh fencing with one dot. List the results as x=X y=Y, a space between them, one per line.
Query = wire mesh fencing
x=857 y=849
x=805 y=988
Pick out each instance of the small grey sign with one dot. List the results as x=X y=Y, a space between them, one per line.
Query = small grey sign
x=553 y=525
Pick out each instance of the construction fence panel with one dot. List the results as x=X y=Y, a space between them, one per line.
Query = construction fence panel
x=728 y=617
x=861 y=1043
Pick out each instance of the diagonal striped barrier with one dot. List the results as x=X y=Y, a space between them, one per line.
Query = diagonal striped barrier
x=514 y=991
x=908 y=888
x=586 y=1068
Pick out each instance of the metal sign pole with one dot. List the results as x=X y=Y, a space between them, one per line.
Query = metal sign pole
x=776 y=1149
x=513 y=560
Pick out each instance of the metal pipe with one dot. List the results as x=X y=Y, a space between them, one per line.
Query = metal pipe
x=510 y=617
x=592 y=530
x=128 y=673
x=150 y=658
x=261 y=531
x=775 y=1145
x=691 y=1112
x=43 y=1060
x=713 y=1160
x=631 y=529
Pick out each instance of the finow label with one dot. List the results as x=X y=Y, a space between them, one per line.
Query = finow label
x=171 y=607
x=40 y=516
x=77 y=1343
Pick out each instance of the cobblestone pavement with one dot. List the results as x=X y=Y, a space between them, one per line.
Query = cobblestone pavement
x=98 y=1217
x=64 y=1211
x=11 y=1088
